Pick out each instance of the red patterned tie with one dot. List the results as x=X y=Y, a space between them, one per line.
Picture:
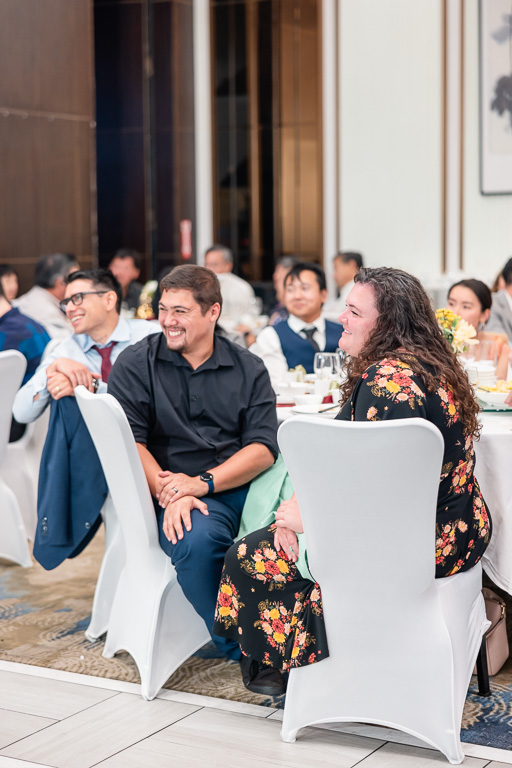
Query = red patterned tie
x=106 y=363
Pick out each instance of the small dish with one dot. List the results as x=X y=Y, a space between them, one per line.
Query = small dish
x=309 y=399
x=492 y=398
x=316 y=410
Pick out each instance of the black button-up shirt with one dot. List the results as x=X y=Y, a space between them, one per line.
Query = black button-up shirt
x=192 y=421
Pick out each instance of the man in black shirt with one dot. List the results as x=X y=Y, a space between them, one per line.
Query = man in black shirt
x=202 y=412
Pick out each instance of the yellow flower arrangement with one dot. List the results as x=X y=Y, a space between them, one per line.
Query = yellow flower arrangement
x=459 y=334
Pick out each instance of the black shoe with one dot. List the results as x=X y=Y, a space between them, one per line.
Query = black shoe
x=267 y=681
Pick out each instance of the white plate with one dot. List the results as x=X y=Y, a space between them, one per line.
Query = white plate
x=315 y=410
x=492 y=398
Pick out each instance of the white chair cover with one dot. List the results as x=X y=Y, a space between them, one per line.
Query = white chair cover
x=13 y=538
x=150 y=617
x=20 y=469
x=402 y=644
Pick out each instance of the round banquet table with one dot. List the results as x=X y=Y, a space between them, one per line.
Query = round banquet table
x=493 y=471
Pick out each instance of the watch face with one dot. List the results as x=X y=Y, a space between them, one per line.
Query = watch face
x=206 y=477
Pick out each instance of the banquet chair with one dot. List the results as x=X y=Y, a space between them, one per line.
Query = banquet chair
x=402 y=644
x=149 y=616
x=20 y=469
x=13 y=538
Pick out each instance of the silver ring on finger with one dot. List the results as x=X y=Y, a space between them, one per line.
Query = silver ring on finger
x=175 y=490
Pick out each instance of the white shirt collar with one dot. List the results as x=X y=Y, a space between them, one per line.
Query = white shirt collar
x=297 y=325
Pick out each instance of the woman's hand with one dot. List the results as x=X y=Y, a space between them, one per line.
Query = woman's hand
x=286 y=541
x=288 y=515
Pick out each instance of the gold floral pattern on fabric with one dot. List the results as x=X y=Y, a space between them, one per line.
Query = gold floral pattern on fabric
x=228 y=603
x=265 y=564
x=394 y=381
x=280 y=625
x=282 y=630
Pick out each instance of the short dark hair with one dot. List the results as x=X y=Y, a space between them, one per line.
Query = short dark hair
x=227 y=253
x=507 y=272
x=7 y=269
x=102 y=278
x=128 y=253
x=347 y=256
x=310 y=266
x=51 y=266
x=202 y=283
x=480 y=289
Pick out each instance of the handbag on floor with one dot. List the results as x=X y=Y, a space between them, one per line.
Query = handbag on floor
x=496 y=635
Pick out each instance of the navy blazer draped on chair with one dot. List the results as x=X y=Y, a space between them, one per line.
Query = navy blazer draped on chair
x=72 y=487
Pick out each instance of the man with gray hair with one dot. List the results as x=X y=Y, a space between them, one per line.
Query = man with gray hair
x=238 y=298
x=42 y=302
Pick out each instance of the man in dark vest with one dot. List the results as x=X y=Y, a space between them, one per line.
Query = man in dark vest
x=306 y=331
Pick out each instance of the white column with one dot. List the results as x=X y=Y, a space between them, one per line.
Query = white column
x=330 y=143
x=453 y=134
x=203 y=236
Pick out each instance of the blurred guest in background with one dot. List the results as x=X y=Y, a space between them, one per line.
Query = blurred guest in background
x=125 y=266
x=9 y=281
x=238 y=297
x=500 y=320
x=42 y=302
x=295 y=341
x=283 y=266
x=25 y=335
x=499 y=283
x=472 y=300
x=346 y=266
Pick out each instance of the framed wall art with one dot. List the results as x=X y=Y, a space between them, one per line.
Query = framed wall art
x=496 y=97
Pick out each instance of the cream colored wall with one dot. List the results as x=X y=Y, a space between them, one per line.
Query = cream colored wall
x=391 y=132
x=487 y=219
x=391 y=141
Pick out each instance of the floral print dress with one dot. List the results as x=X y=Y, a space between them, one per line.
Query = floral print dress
x=266 y=606
x=390 y=390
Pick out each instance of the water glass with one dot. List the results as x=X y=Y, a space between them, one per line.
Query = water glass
x=324 y=365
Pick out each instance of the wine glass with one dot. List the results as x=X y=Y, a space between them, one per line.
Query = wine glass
x=323 y=365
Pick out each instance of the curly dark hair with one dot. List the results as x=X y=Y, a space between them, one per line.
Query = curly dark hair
x=407 y=330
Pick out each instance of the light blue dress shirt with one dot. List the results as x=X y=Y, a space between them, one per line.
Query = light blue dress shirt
x=77 y=347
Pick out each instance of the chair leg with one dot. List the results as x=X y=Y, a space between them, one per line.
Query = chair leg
x=482 y=671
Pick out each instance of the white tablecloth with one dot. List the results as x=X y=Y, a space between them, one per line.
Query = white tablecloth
x=494 y=473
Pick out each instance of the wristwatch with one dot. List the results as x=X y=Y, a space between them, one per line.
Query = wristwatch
x=207 y=477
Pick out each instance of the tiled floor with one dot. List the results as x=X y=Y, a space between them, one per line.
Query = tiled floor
x=63 y=720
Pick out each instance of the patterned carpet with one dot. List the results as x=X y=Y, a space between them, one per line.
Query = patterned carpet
x=43 y=615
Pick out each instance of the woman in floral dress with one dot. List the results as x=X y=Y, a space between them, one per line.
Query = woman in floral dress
x=399 y=366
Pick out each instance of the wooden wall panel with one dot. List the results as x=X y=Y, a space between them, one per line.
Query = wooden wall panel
x=47 y=142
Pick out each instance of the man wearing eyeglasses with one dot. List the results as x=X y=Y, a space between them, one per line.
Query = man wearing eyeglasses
x=92 y=302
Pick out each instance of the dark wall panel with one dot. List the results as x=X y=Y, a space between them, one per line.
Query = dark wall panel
x=47 y=151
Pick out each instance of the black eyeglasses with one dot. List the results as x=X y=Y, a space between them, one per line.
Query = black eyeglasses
x=77 y=298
